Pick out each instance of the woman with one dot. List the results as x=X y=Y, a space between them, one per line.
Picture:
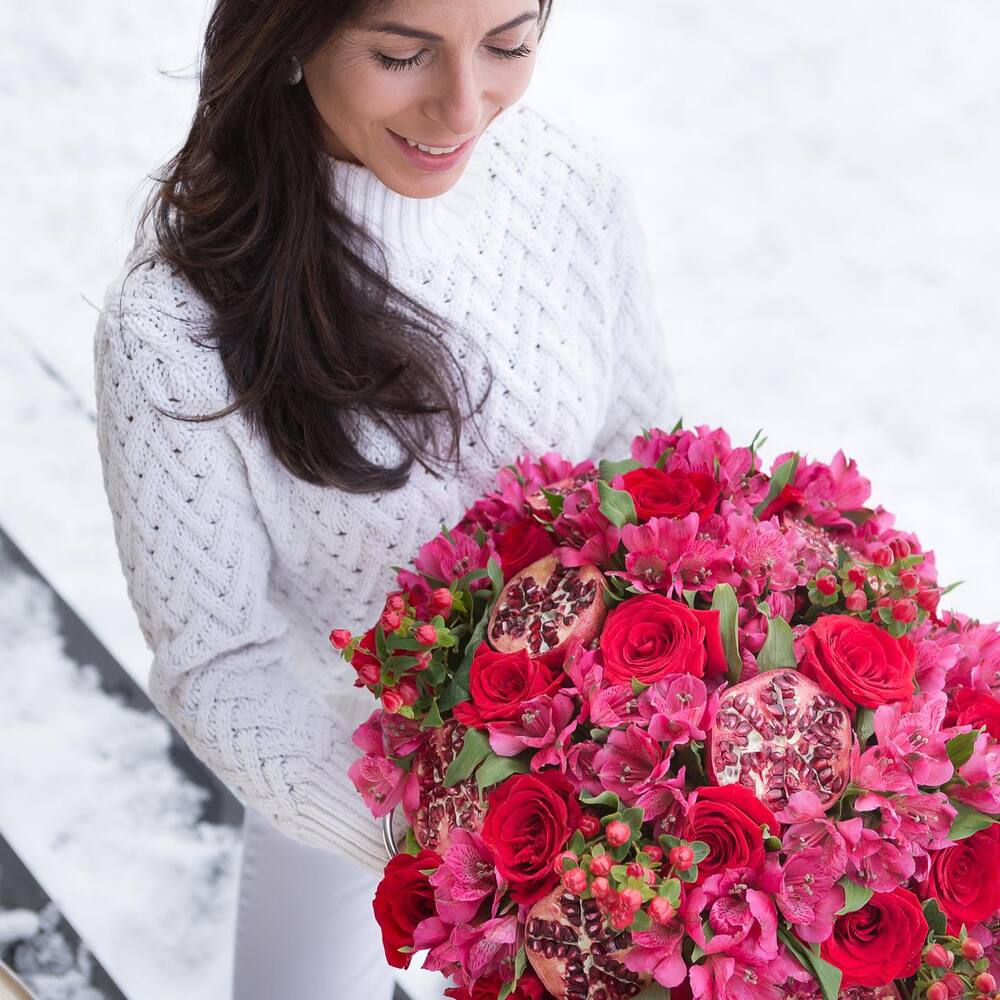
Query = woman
x=320 y=351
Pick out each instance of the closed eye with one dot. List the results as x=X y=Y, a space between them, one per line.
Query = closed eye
x=397 y=64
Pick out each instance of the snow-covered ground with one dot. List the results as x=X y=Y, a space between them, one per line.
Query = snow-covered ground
x=819 y=187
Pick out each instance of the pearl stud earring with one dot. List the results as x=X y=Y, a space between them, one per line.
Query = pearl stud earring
x=296 y=72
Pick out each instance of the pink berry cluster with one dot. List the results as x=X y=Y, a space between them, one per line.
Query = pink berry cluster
x=955 y=968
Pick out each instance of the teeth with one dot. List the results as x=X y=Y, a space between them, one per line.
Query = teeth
x=436 y=151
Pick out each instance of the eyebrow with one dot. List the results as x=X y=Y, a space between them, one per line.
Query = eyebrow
x=393 y=28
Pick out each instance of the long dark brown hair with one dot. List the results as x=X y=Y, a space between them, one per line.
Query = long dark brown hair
x=311 y=335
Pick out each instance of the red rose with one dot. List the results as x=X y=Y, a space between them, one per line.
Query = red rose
x=857 y=662
x=403 y=899
x=729 y=818
x=880 y=942
x=499 y=684
x=651 y=636
x=974 y=708
x=656 y=493
x=529 y=987
x=528 y=821
x=523 y=543
x=965 y=879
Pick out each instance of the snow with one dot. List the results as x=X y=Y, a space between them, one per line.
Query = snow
x=818 y=183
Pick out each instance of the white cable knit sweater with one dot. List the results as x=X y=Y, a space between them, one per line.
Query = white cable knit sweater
x=237 y=570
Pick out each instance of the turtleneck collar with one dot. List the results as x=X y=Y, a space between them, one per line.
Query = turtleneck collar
x=421 y=227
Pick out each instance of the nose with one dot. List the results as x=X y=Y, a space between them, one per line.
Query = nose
x=457 y=102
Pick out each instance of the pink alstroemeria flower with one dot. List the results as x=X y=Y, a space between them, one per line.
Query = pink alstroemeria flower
x=809 y=896
x=467 y=875
x=658 y=952
x=544 y=723
x=678 y=709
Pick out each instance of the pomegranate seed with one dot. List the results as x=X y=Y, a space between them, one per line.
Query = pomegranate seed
x=660 y=911
x=857 y=574
x=681 y=857
x=631 y=898
x=938 y=957
x=392 y=700
x=909 y=579
x=618 y=833
x=426 y=635
x=856 y=601
x=575 y=881
x=900 y=548
x=985 y=983
x=590 y=825
x=883 y=556
x=655 y=853
x=340 y=637
x=826 y=584
x=557 y=865
x=936 y=991
x=904 y=610
x=971 y=949
x=601 y=865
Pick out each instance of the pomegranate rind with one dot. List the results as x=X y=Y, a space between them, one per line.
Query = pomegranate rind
x=577 y=616
x=441 y=809
x=575 y=954
x=779 y=733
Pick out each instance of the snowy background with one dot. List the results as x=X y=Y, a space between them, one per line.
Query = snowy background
x=819 y=187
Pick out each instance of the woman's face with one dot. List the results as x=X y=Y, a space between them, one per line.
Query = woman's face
x=441 y=91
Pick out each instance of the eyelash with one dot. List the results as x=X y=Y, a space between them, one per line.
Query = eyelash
x=389 y=63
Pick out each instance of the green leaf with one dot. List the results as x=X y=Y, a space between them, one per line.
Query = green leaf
x=700 y=850
x=577 y=843
x=777 y=652
x=936 y=920
x=951 y=587
x=607 y=470
x=616 y=505
x=654 y=991
x=689 y=596
x=968 y=821
x=433 y=720
x=827 y=975
x=859 y=515
x=855 y=896
x=960 y=748
x=475 y=749
x=495 y=573
x=555 y=501
x=641 y=921
x=638 y=686
x=864 y=725
x=724 y=601
x=604 y=799
x=495 y=769
x=783 y=475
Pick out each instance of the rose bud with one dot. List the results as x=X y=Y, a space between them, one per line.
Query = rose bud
x=954 y=985
x=936 y=991
x=439 y=602
x=681 y=857
x=631 y=898
x=900 y=548
x=408 y=691
x=600 y=887
x=575 y=881
x=369 y=673
x=590 y=825
x=395 y=602
x=660 y=911
x=390 y=620
x=426 y=635
x=856 y=601
x=655 y=853
x=617 y=833
x=340 y=637
x=883 y=556
x=985 y=983
x=938 y=957
x=827 y=584
x=904 y=610
x=600 y=865
x=909 y=579
x=857 y=575
x=392 y=700
x=971 y=949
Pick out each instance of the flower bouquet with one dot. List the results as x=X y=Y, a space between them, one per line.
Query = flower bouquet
x=675 y=723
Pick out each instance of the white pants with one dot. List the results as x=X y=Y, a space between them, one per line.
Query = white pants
x=305 y=926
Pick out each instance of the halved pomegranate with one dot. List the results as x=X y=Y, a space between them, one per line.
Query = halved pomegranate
x=545 y=606
x=574 y=952
x=779 y=733
x=443 y=809
x=538 y=503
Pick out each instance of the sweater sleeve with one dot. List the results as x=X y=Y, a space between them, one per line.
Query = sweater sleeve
x=196 y=557
x=644 y=392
